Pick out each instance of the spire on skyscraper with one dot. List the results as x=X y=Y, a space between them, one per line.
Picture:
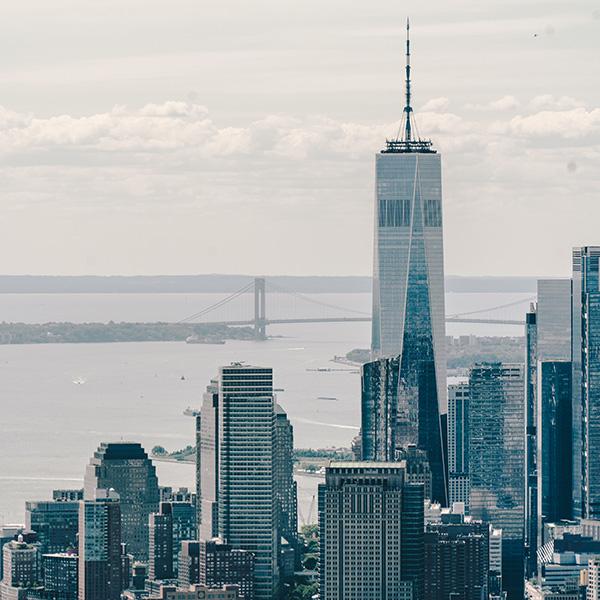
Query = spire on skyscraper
x=407 y=107
x=408 y=139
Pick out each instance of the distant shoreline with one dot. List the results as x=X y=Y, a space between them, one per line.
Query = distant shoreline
x=215 y=283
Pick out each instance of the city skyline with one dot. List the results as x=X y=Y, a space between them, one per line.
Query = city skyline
x=251 y=134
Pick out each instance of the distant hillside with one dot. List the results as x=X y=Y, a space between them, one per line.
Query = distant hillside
x=175 y=284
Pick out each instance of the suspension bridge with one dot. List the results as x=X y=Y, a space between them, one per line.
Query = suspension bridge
x=235 y=310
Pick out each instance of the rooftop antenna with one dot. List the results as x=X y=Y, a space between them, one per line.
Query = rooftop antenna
x=407 y=137
x=407 y=107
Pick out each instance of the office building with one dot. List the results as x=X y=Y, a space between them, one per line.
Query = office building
x=593 y=579
x=185 y=527
x=408 y=286
x=161 y=543
x=21 y=569
x=207 y=463
x=497 y=461
x=549 y=409
x=61 y=575
x=189 y=563
x=220 y=564
x=55 y=523
x=286 y=494
x=8 y=533
x=182 y=494
x=379 y=406
x=371 y=532
x=417 y=468
x=458 y=445
x=126 y=468
x=237 y=452
x=586 y=382
x=100 y=546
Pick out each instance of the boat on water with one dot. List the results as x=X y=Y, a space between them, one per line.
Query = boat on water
x=326 y=398
x=79 y=381
x=196 y=339
x=191 y=412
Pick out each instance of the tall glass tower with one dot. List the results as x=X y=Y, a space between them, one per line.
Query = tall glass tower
x=408 y=285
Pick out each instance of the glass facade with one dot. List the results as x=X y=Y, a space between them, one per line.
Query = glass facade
x=497 y=461
x=126 y=468
x=458 y=444
x=379 y=397
x=554 y=442
x=238 y=474
x=586 y=382
x=408 y=297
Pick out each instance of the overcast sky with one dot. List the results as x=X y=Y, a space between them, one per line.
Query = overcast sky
x=194 y=136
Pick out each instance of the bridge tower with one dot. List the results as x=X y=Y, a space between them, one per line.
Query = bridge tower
x=260 y=313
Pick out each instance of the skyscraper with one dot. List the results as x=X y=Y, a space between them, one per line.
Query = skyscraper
x=100 y=546
x=286 y=494
x=586 y=382
x=161 y=543
x=548 y=412
x=220 y=564
x=21 y=569
x=55 y=522
x=188 y=572
x=126 y=468
x=207 y=463
x=237 y=453
x=408 y=285
x=371 y=528
x=61 y=576
x=497 y=461
x=458 y=444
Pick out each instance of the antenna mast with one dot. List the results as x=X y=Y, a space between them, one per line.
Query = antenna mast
x=407 y=108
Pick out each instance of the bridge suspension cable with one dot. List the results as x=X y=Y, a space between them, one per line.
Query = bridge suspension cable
x=314 y=301
x=218 y=304
x=491 y=308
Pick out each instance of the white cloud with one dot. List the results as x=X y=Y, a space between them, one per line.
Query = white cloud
x=501 y=104
x=575 y=123
x=436 y=105
x=550 y=102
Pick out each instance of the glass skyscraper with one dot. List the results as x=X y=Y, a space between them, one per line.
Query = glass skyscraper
x=586 y=382
x=497 y=461
x=408 y=286
x=126 y=468
x=238 y=442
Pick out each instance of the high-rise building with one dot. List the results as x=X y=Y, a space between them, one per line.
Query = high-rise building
x=55 y=523
x=371 y=532
x=379 y=407
x=8 y=533
x=61 y=575
x=100 y=546
x=417 y=468
x=586 y=382
x=21 y=569
x=408 y=286
x=549 y=408
x=286 y=493
x=220 y=564
x=185 y=528
x=126 y=468
x=207 y=463
x=593 y=579
x=67 y=495
x=458 y=444
x=456 y=563
x=161 y=543
x=237 y=468
x=531 y=475
x=189 y=563
x=497 y=461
